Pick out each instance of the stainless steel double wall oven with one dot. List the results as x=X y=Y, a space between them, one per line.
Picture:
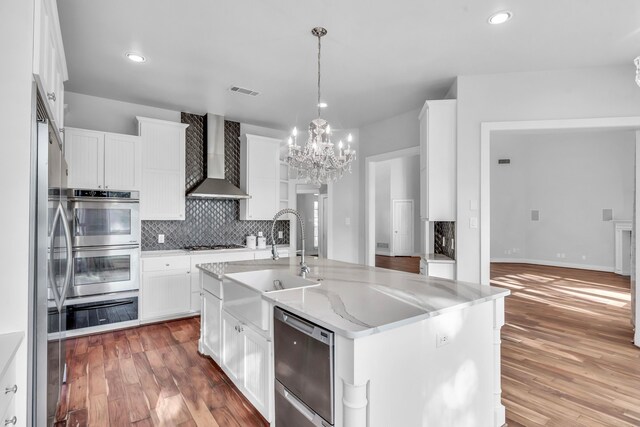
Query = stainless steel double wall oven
x=105 y=240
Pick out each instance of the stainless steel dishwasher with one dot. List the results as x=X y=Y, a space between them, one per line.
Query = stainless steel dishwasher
x=304 y=372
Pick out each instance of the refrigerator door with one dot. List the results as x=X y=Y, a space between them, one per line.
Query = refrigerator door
x=53 y=262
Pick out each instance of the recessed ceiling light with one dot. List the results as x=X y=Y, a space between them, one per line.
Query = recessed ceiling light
x=500 y=17
x=135 y=57
x=323 y=105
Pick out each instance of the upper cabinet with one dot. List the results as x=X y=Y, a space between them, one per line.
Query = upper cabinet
x=260 y=177
x=438 y=160
x=162 y=196
x=49 y=63
x=101 y=160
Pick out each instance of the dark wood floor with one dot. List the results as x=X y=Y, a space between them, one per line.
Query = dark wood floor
x=567 y=357
x=149 y=376
x=401 y=263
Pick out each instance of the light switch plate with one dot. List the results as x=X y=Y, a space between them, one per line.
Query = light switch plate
x=347 y=221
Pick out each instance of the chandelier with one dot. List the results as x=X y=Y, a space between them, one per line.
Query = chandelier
x=637 y=62
x=318 y=162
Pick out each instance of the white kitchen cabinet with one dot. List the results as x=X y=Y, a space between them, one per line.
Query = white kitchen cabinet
x=245 y=358
x=162 y=196
x=84 y=152
x=166 y=288
x=211 y=323
x=122 y=162
x=101 y=160
x=231 y=347
x=438 y=160
x=49 y=62
x=260 y=177
x=442 y=270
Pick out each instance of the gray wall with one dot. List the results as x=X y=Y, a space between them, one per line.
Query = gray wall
x=569 y=178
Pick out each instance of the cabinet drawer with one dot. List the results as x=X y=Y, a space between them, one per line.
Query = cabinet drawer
x=166 y=263
x=211 y=285
x=7 y=382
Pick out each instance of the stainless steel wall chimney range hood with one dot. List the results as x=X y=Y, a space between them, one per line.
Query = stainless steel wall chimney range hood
x=215 y=186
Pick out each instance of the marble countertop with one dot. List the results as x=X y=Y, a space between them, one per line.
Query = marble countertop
x=356 y=300
x=438 y=258
x=177 y=252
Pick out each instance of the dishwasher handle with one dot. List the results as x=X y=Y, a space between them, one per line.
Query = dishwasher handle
x=304 y=326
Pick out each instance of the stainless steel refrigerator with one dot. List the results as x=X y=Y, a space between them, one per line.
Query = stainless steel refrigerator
x=51 y=243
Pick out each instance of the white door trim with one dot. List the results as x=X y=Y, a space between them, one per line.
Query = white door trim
x=370 y=198
x=486 y=130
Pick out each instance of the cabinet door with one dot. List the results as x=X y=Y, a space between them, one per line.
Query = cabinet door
x=255 y=373
x=165 y=293
x=162 y=196
x=84 y=151
x=122 y=162
x=231 y=351
x=260 y=177
x=211 y=333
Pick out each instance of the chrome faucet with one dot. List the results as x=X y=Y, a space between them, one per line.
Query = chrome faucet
x=304 y=270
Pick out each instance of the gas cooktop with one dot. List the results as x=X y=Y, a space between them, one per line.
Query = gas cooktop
x=213 y=247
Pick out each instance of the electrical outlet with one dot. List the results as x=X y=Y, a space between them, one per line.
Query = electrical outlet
x=280 y=234
x=442 y=339
x=444 y=241
x=160 y=238
x=584 y=257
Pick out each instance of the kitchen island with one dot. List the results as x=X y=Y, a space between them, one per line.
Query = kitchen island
x=408 y=350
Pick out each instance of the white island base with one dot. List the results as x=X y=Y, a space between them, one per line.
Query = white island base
x=442 y=371
x=409 y=350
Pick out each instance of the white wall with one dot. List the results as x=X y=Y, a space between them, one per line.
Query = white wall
x=383 y=206
x=345 y=222
x=580 y=93
x=16 y=49
x=569 y=178
x=395 y=133
x=108 y=115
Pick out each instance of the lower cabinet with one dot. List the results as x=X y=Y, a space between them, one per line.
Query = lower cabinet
x=442 y=270
x=211 y=312
x=165 y=293
x=245 y=359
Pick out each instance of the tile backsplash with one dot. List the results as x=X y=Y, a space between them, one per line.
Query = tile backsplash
x=444 y=230
x=208 y=221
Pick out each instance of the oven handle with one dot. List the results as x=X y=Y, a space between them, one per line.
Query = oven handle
x=67 y=236
x=104 y=248
x=313 y=331
x=298 y=405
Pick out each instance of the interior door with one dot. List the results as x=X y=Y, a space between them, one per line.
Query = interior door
x=402 y=227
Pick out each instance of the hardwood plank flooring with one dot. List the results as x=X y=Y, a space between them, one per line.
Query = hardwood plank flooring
x=410 y=264
x=152 y=375
x=567 y=356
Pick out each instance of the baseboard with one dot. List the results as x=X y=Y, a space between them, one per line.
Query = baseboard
x=554 y=264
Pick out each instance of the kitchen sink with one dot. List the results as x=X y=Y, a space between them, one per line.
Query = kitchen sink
x=267 y=281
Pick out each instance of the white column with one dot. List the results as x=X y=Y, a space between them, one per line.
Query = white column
x=354 y=403
x=498 y=322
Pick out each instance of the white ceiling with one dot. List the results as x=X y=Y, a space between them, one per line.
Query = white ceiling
x=380 y=58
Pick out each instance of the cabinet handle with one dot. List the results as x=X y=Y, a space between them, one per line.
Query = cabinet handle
x=12 y=421
x=61 y=130
x=13 y=389
x=99 y=186
x=106 y=186
x=166 y=265
x=51 y=96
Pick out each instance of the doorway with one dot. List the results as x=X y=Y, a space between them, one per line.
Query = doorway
x=312 y=202
x=491 y=129
x=394 y=232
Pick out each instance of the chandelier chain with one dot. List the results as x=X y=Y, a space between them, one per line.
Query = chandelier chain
x=319 y=49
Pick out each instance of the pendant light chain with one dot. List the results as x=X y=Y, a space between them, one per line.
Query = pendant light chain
x=319 y=48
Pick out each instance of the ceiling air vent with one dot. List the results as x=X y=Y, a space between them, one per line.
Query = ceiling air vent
x=244 y=91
